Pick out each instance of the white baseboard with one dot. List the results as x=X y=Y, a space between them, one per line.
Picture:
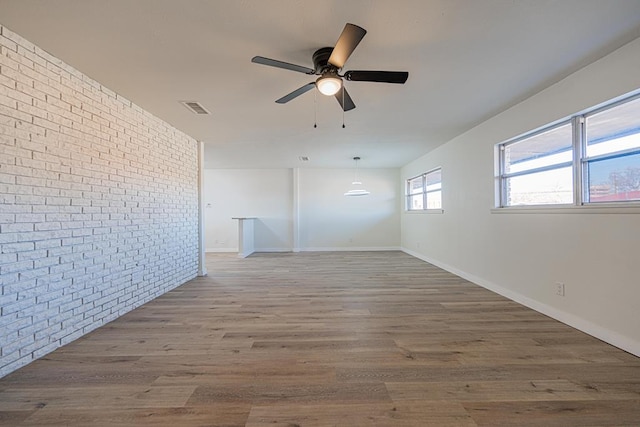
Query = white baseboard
x=352 y=249
x=611 y=337
x=322 y=249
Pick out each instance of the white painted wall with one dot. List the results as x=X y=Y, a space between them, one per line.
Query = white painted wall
x=262 y=193
x=311 y=201
x=331 y=221
x=523 y=255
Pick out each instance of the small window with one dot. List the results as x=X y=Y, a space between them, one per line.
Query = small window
x=424 y=192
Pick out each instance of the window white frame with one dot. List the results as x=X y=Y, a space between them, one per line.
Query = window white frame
x=579 y=163
x=430 y=194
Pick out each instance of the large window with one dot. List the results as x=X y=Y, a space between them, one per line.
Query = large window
x=424 y=192
x=588 y=159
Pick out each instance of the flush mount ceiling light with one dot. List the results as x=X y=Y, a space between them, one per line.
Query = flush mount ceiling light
x=329 y=84
x=356 y=189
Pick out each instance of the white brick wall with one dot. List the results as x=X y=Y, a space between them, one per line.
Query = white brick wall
x=98 y=204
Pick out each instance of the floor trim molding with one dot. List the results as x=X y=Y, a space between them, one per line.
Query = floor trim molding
x=352 y=249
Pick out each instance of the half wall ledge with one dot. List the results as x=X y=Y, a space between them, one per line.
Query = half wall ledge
x=246 y=245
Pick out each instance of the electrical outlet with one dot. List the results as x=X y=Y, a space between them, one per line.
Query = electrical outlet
x=560 y=289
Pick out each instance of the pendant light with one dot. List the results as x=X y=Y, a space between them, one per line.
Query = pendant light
x=356 y=185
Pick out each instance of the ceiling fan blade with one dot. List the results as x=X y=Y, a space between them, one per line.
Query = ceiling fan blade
x=377 y=76
x=296 y=93
x=279 y=64
x=346 y=44
x=346 y=104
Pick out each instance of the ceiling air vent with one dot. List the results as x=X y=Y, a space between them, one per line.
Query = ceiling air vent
x=195 y=107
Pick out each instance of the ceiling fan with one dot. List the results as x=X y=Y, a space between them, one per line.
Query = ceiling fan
x=327 y=63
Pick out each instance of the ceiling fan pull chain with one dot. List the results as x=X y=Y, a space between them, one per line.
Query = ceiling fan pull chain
x=315 y=109
x=343 y=106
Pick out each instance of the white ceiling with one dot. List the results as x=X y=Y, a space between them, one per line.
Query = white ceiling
x=467 y=60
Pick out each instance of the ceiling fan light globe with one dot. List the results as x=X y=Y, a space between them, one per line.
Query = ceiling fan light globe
x=329 y=85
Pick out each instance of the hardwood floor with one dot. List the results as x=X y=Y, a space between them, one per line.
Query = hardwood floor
x=328 y=339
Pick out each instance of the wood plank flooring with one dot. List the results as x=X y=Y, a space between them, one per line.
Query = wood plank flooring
x=328 y=339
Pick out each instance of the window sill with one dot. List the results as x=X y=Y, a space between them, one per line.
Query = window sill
x=571 y=209
x=424 y=211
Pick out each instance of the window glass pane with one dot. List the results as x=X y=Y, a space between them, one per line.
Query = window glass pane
x=615 y=129
x=542 y=188
x=434 y=180
x=545 y=149
x=415 y=202
x=614 y=180
x=415 y=185
x=434 y=200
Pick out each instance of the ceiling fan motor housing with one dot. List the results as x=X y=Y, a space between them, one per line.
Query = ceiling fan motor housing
x=321 y=60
